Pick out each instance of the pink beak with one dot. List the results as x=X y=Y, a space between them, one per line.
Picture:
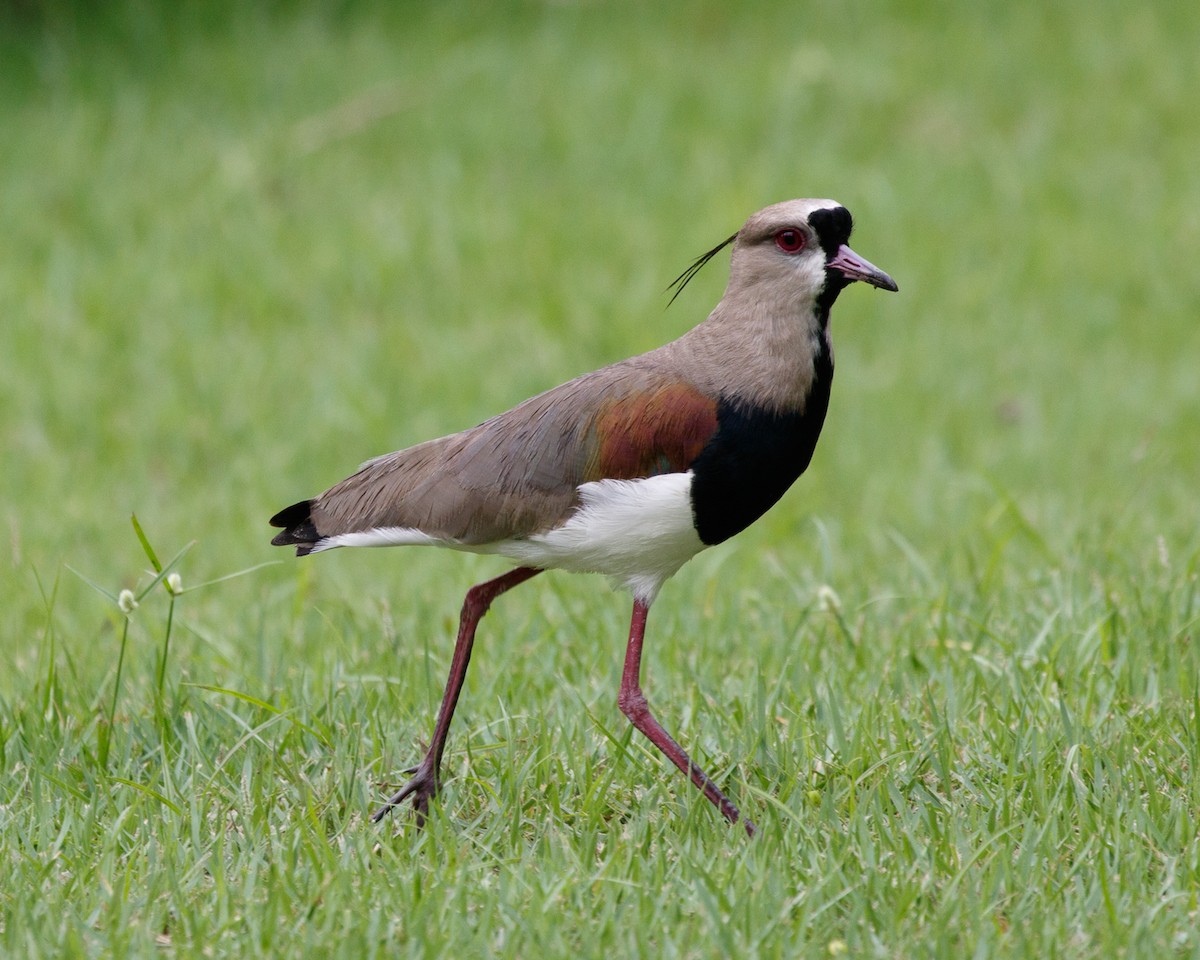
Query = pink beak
x=853 y=267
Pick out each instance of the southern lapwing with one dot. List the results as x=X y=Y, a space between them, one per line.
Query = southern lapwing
x=630 y=470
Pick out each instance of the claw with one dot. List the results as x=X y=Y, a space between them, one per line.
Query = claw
x=422 y=788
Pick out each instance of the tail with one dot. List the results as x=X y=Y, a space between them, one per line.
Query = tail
x=298 y=528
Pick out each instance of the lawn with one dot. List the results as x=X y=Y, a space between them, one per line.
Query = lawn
x=954 y=675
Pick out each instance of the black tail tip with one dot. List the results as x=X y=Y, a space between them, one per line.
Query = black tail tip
x=298 y=527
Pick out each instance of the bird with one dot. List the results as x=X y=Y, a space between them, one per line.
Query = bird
x=628 y=471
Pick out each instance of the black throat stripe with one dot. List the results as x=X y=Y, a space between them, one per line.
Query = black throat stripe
x=753 y=458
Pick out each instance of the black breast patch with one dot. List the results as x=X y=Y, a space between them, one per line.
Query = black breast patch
x=753 y=457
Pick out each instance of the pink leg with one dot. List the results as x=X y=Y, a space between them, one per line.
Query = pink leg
x=424 y=784
x=633 y=705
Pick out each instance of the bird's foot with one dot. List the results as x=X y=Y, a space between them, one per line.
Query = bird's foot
x=422 y=788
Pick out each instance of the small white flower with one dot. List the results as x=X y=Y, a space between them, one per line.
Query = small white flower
x=174 y=584
x=127 y=602
x=828 y=600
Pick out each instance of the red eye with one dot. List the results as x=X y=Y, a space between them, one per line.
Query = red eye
x=790 y=241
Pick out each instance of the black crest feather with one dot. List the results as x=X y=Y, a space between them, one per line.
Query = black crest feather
x=682 y=280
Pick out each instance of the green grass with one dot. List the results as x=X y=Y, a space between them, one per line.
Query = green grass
x=954 y=675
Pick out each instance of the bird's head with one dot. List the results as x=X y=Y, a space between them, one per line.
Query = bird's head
x=795 y=250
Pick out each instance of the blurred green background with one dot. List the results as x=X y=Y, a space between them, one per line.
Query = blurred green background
x=244 y=247
x=247 y=246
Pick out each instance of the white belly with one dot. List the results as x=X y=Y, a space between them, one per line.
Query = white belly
x=639 y=532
